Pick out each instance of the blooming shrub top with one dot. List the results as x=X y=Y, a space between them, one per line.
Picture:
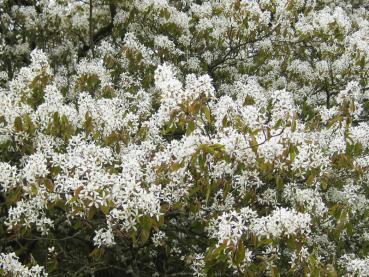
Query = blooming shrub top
x=205 y=138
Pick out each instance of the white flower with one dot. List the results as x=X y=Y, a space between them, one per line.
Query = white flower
x=198 y=265
x=231 y=226
x=10 y=265
x=282 y=222
x=8 y=176
x=354 y=265
x=36 y=166
x=158 y=238
x=104 y=237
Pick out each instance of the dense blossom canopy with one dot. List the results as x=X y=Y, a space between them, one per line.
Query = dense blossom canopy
x=184 y=138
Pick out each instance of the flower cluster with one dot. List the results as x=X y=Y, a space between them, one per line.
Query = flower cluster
x=10 y=265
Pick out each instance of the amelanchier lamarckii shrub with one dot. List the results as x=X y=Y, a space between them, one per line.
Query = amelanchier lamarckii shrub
x=184 y=138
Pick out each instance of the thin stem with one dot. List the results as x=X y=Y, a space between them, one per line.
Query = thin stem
x=91 y=31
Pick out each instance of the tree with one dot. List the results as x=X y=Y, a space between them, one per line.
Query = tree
x=180 y=138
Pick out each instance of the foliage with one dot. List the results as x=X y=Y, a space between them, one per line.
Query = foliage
x=184 y=138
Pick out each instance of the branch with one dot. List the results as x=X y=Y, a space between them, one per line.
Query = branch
x=100 y=34
x=91 y=29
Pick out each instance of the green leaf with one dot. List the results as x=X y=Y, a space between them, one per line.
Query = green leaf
x=56 y=119
x=18 y=124
x=91 y=213
x=292 y=152
x=161 y=220
x=293 y=124
x=88 y=123
x=358 y=149
x=146 y=223
x=226 y=190
x=225 y=121
x=49 y=184
x=201 y=160
x=331 y=271
x=73 y=199
x=145 y=235
x=240 y=253
x=249 y=101
x=34 y=189
x=335 y=119
x=208 y=191
x=191 y=127
x=207 y=114
x=28 y=124
x=14 y=196
x=278 y=124
x=105 y=209
x=97 y=253
x=175 y=166
x=279 y=182
x=215 y=253
x=310 y=179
